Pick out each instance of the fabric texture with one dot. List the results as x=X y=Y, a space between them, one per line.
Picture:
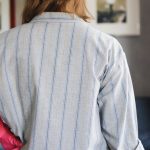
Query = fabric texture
x=65 y=85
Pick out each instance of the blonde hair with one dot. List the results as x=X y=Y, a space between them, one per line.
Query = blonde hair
x=37 y=7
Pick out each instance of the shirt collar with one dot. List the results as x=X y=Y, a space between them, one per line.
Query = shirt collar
x=61 y=16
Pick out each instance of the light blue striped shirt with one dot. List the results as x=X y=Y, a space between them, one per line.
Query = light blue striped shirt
x=66 y=86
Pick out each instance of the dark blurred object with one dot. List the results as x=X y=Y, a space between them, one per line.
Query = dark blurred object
x=12 y=13
x=143 y=114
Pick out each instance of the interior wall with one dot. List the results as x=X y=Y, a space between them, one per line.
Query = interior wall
x=136 y=48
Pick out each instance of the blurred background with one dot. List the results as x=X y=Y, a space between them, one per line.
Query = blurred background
x=137 y=49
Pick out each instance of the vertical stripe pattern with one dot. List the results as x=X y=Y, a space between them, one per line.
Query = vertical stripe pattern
x=39 y=81
x=66 y=88
x=53 y=82
x=18 y=77
x=8 y=81
x=80 y=90
x=30 y=44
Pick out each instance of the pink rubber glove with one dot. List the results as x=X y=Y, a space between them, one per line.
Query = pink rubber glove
x=7 y=139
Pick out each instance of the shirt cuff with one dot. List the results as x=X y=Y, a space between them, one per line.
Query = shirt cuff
x=139 y=146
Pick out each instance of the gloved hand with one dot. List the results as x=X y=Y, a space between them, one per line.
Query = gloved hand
x=7 y=139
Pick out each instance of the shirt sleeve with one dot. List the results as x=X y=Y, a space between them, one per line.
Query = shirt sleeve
x=117 y=103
